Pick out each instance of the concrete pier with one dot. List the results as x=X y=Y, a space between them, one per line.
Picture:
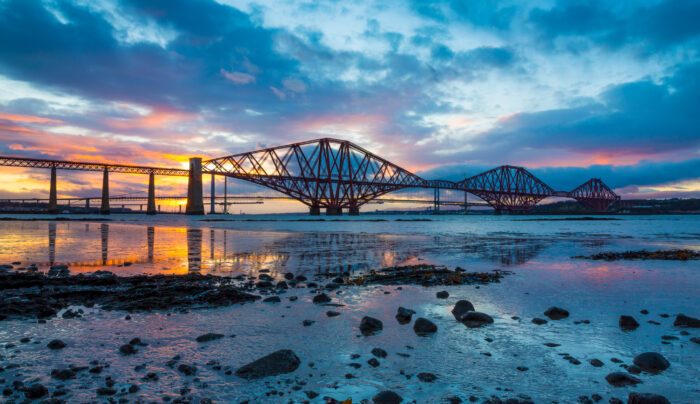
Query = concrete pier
x=151 y=208
x=354 y=211
x=212 y=207
x=334 y=211
x=315 y=210
x=104 y=208
x=53 y=201
x=195 y=203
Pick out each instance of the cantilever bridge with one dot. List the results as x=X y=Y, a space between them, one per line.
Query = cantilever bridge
x=335 y=175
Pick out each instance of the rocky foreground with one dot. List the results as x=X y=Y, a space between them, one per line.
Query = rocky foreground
x=673 y=255
x=35 y=296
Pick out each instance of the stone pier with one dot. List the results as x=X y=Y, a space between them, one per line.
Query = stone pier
x=104 y=209
x=195 y=203
x=212 y=207
x=334 y=211
x=53 y=201
x=151 y=208
x=314 y=210
x=354 y=211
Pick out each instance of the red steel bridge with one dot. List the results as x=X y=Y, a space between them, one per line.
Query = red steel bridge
x=335 y=175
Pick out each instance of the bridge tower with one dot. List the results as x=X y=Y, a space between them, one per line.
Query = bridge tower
x=195 y=203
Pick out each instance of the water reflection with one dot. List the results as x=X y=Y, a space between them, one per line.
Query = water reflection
x=150 y=235
x=52 y=243
x=194 y=251
x=104 y=238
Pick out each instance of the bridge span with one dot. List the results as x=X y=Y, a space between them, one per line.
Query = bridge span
x=332 y=174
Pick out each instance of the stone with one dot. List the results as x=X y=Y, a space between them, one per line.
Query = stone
x=58 y=271
x=379 y=353
x=651 y=362
x=282 y=285
x=462 y=307
x=442 y=294
x=127 y=349
x=289 y=276
x=646 y=398
x=370 y=325
x=35 y=391
x=387 y=397
x=628 y=323
x=106 y=391
x=556 y=313
x=373 y=362
x=187 y=370
x=685 y=321
x=331 y=313
x=279 y=362
x=321 y=298
x=272 y=299
x=137 y=341
x=539 y=321
x=62 y=374
x=621 y=379
x=56 y=344
x=424 y=327
x=596 y=362
x=426 y=377
x=404 y=315
x=210 y=336
x=307 y=323
x=475 y=319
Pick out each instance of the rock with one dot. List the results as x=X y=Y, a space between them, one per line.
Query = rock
x=187 y=370
x=151 y=377
x=373 y=362
x=301 y=278
x=685 y=321
x=628 y=323
x=379 y=353
x=331 y=313
x=442 y=294
x=279 y=362
x=321 y=298
x=307 y=323
x=651 y=362
x=620 y=379
x=127 y=349
x=289 y=276
x=696 y=340
x=282 y=285
x=556 y=313
x=211 y=336
x=56 y=344
x=539 y=321
x=426 y=377
x=62 y=374
x=35 y=391
x=387 y=397
x=596 y=362
x=58 y=271
x=106 y=391
x=272 y=299
x=461 y=307
x=137 y=341
x=646 y=398
x=475 y=319
x=634 y=369
x=264 y=284
x=404 y=315
x=370 y=325
x=424 y=327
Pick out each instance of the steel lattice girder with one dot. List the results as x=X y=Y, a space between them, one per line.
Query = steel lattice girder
x=507 y=187
x=324 y=172
x=86 y=166
x=594 y=194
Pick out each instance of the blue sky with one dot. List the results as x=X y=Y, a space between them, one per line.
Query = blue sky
x=570 y=89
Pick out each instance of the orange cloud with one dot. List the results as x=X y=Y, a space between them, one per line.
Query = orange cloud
x=27 y=118
x=159 y=118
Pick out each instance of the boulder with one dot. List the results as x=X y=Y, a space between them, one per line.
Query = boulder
x=187 y=370
x=621 y=379
x=279 y=362
x=685 y=321
x=387 y=397
x=556 y=313
x=475 y=319
x=442 y=294
x=56 y=344
x=461 y=307
x=210 y=336
x=289 y=276
x=379 y=353
x=646 y=398
x=370 y=325
x=272 y=299
x=426 y=377
x=62 y=374
x=628 y=323
x=424 y=327
x=321 y=298
x=127 y=349
x=404 y=315
x=539 y=321
x=651 y=362
x=35 y=391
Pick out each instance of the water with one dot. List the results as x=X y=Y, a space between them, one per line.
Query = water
x=538 y=252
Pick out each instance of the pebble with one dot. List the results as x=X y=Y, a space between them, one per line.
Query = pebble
x=539 y=321
x=379 y=353
x=426 y=377
x=211 y=336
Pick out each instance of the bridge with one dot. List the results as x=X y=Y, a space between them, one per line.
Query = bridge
x=331 y=174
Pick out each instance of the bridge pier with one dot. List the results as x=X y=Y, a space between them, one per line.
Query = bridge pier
x=225 y=194
x=314 y=210
x=195 y=203
x=104 y=209
x=436 y=201
x=53 y=201
x=334 y=211
x=354 y=211
x=212 y=207
x=151 y=207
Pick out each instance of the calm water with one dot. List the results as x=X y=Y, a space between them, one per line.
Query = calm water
x=539 y=253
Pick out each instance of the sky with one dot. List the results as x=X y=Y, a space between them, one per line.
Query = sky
x=447 y=89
